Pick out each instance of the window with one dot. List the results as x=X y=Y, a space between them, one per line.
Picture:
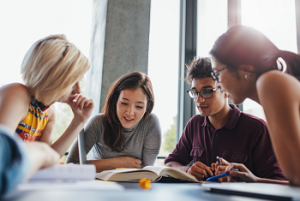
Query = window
x=163 y=68
x=24 y=22
x=212 y=22
x=277 y=20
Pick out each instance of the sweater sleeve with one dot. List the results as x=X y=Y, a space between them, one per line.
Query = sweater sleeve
x=91 y=136
x=153 y=140
x=181 y=153
x=14 y=164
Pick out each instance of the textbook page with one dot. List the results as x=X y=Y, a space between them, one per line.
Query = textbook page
x=66 y=172
x=126 y=174
x=153 y=173
x=173 y=172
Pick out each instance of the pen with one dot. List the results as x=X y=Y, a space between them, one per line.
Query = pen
x=214 y=178
x=219 y=160
x=191 y=163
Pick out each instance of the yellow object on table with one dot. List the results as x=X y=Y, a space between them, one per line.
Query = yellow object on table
x=145 y=183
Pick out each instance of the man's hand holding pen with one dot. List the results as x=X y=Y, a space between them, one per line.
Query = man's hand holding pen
x=200 y=170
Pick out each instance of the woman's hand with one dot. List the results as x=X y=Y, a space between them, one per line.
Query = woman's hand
x=220 y=168
x=242 y=175
x=81 y=107
x=131 y=162
x=41 y=155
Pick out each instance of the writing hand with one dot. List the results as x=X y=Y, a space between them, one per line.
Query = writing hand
x=200 y=171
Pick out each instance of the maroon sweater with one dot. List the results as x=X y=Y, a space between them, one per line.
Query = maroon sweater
x=243 y=139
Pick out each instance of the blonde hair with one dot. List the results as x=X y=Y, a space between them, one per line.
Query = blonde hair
x=51 y=67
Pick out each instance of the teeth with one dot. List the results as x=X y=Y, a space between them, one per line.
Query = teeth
x=127 y=119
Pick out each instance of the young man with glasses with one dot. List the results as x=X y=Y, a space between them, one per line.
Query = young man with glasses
x=220 y=130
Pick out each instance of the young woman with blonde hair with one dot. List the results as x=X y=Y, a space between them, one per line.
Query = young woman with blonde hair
x=51 y=70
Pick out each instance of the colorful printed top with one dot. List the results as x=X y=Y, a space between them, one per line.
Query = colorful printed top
x=32 y=127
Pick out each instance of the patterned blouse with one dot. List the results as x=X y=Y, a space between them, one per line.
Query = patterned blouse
x=32 y=127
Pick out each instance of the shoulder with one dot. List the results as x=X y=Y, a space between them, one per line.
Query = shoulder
x=15 y=90
x=97 y=120
x=270 y=83
x=196 y=120
x=151 y=124
x=275 y=88
x=252 y=120
x=15 y=96
x=152 y=118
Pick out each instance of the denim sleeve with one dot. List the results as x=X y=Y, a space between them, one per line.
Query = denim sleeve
x=14 y=162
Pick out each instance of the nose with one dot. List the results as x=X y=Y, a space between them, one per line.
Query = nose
x=199 y=98
x=130 y=110
x=76 y=88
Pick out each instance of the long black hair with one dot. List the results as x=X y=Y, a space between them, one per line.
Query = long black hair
x=242 y=45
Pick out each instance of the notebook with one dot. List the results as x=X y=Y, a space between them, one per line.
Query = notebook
x=255 y=190
x=66 y=172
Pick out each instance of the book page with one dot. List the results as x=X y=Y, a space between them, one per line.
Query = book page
x=157 y=169
x=66 y=172
x=179 y=174
x=173 y=172
x=126 y=174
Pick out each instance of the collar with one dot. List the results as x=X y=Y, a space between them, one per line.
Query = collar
x=236 y=113
x=131 y=129
x=39 y=104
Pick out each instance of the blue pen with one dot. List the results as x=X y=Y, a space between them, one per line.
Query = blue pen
x=214 y=178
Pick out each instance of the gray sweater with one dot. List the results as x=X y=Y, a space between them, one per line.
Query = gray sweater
x=142 y=141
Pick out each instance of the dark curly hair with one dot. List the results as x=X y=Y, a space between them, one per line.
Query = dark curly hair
x=198 y=68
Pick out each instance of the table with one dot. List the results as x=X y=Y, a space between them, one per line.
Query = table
x=132 y=192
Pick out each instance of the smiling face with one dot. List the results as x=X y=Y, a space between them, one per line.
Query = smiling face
x=213 y=105
x=131 y=106
x=234 y=83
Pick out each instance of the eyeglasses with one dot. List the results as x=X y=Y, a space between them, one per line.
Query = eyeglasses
x=206 y=94
x=215 y=75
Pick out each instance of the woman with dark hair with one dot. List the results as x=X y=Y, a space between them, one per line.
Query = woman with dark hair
x=126 y=134
x=248 y=65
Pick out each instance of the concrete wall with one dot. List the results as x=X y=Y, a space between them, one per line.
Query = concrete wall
x=119 y=44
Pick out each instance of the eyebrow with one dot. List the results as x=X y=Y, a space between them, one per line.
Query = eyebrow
x=136 y=102
x=205 y=87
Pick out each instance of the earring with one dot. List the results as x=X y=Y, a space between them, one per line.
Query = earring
x=246 y=77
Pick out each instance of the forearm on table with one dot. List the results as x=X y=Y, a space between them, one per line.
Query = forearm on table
x=108 y=164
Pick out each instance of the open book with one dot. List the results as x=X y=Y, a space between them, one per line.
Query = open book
x=154 y=173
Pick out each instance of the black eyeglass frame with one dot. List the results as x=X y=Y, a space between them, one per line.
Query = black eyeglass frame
x=215 y=75
x=201 y=93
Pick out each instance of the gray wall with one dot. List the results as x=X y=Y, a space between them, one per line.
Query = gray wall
x=119 y=44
